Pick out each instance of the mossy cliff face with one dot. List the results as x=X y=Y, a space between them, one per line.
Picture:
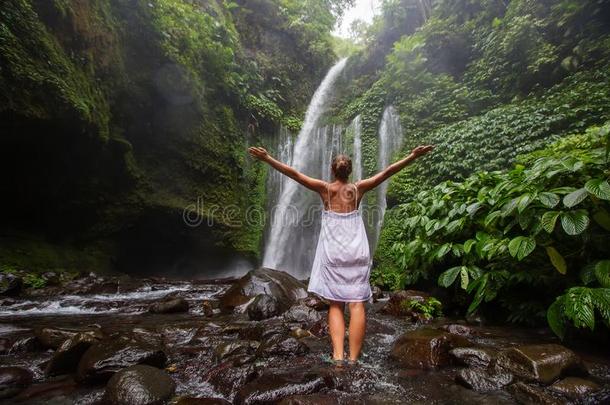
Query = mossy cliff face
x=119 y=117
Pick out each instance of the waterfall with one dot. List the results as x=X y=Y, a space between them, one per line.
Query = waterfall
x=355 y=130
x=294 y=219
x=390 y=141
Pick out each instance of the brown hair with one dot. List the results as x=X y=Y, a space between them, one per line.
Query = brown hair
x=342 y=167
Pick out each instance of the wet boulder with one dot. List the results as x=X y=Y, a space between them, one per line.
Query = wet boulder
x=264 y=306
x=530 y=394
x=235 y=348
x=540 y=363
x=92 y=284
x=10 y=285
x=425 y=348
x=303 y=315
x=281 y=285
x=178 y=335
x=574 y=387
x=53 y=338
x=147 y=337
x=473 y=356
x=314 y=301
x=396 y=305
x=27 y=344
x=107 y=357
x=483 y=380
x=170 y=306
x=457 y=329
x=282 y=345
x=66 y=358
x=272 y=388
x=228 y=379
x=13 y=380
x=375 y=326
x=139 y=385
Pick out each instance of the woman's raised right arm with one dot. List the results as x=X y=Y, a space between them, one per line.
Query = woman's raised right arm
x=309 y=182
x=373 y=181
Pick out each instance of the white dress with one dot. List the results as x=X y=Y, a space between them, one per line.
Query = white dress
x=342 y=264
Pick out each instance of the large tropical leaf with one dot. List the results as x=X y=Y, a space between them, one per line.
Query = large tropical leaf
x=574 y=222
x=464 y=280
x=524 y=201
x=491 y=217
x=448 y=277
x=469 y=244
x=601 y=300
x=575 y=197
x=599 y=188
x=521 y=246
x=556 y=319
x=578 y=306
x=602 y=273
x=549 y=219
x=557 y=259
x=549 y=200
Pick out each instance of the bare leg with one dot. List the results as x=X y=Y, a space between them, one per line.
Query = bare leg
x=336 y=327
x=357 y=327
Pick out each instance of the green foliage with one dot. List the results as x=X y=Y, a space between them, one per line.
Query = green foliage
x=33 y=280
x=429 y=308
x=493 y=140
x=486 y=234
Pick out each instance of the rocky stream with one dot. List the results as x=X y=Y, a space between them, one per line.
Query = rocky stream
x=260 y=340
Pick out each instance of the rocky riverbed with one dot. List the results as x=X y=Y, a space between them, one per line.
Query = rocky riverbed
x=259 y=339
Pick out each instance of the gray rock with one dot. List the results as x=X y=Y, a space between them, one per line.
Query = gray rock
x=303 y=315
x=66 y=358
x=264 y=306
x=540 y=363
x=272 y=388
x=53 y=338
x=170 y=306
x=574 y=387
x=139 y=385
x=472 y=356
x=483 y=380
x=531 y=395
x=283 y=346
x=281 y=285
x=425 y=348
x=107 y=357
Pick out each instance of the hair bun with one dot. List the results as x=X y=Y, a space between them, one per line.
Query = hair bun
x=342 y=167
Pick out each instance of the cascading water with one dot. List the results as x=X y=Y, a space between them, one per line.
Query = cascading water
x=294 y=219
x=390 y=141
x=355 y=129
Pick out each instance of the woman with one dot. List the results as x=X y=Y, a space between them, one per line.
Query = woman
x=342 y=263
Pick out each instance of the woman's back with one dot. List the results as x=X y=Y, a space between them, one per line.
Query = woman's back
x=341 y=197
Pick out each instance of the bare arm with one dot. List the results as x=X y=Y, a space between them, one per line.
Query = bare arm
x=373 y=181
x=309 y=182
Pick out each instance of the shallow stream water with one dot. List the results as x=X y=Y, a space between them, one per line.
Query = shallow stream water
x=190 y=340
